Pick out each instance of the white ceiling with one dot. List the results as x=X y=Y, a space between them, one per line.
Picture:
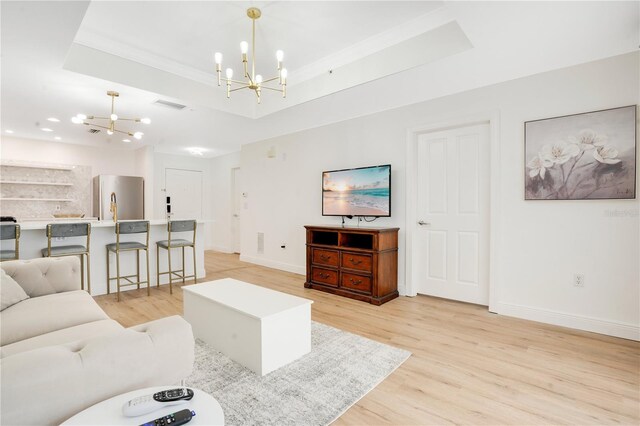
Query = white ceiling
x=60 y=58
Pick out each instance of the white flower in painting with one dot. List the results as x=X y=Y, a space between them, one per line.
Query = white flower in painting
x=559 y=152
x=589 y=139
x=606 y=154
x=538 y=166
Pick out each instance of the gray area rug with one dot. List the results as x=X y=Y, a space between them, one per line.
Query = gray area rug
x=314 y=390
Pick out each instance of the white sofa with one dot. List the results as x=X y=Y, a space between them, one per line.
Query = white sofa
x=60 y=353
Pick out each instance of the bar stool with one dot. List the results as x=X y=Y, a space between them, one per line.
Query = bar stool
x=177 y=226
x=10 y=232
x=137 y=227
x=64 y=230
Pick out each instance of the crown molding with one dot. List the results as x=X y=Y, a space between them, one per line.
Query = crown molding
x=391 y=37
x=98 y=41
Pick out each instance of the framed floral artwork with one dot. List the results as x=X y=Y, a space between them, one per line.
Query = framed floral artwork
x=585 y=156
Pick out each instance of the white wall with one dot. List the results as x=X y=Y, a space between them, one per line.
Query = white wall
x=542 y=243
x=102 y=160
x=221 y=171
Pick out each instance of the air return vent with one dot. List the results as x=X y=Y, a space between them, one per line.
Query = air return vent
x=168 y=104
x=260 y=242
x=93 y=131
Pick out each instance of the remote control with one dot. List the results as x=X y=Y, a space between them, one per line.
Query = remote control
x=178 y=418
x=148 y=403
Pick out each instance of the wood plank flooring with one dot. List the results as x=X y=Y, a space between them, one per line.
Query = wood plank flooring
x=468 y=366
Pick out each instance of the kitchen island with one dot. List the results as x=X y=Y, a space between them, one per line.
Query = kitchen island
x=33 y=239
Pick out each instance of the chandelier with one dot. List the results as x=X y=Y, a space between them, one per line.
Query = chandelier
x=252 y=80
x=111 y=120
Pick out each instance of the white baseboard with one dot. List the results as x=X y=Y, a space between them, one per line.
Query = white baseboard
x=221 y=249
x=296 y=269
x=596 y=325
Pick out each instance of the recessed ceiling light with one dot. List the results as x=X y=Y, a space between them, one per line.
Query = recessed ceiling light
x=196 y=151
x=126 y=140
x=9 y=131
x=58 y=138
x=53 y=120
x=46 y=129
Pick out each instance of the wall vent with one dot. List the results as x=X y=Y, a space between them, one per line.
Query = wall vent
x=93 y=131
x=168 y=104
x=260 y=242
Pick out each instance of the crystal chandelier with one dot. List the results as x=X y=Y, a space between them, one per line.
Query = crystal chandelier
x=112 y=119
x=252 y=80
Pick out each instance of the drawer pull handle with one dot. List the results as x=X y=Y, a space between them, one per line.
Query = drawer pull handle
x=325 y=276
x=355 y=262
x=355 y=281
x=325 y=257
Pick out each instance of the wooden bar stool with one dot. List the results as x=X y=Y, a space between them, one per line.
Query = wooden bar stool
x=137 y=227
x=10 y=232
x=64 y=230
x=177 y=226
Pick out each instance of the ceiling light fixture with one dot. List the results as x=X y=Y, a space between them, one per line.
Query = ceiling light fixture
x=252 y=80
x=53 y=120
x=112 y=118
x=58 y=138
x=46 y=129
x=9 y=131
x=126 y=140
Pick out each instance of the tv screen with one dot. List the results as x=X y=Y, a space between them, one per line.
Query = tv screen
x=365 y=191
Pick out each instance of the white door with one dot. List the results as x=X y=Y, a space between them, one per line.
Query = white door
x=236 y=202
x=184 y=187
x=452 y=227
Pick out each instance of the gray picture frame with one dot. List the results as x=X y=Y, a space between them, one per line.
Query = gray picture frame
x=585 y=156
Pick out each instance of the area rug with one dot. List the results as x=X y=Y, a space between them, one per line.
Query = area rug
x=314 y=390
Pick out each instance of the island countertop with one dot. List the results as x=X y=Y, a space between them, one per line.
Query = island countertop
x=95 y=223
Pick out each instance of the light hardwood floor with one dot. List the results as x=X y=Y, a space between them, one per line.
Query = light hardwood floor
x=468 y=366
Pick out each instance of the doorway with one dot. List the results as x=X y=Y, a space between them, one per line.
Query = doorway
x=236 y=207
x=448 y=221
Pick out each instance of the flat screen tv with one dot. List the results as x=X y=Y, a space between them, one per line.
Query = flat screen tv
x=365 y=191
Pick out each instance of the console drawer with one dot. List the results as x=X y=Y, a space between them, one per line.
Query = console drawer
x=325 y=276
x=325 y=257
x=360 y=262
x=356 y=282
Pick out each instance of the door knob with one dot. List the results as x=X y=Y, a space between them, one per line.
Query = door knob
x=423 y=223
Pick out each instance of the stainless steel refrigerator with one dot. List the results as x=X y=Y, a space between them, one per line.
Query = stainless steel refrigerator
x=127 y=191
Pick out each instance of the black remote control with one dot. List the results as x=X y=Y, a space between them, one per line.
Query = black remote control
x=178 y=418
x=173 y=395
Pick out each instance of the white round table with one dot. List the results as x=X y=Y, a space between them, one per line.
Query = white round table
x=109 y=412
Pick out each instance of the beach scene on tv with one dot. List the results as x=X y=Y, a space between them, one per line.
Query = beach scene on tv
x=357 y=192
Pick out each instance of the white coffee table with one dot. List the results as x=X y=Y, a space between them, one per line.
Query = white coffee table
x=259 y=328
x=109 y=412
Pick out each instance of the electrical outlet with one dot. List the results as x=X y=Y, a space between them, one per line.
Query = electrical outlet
x=57 y=208
x=578 y=280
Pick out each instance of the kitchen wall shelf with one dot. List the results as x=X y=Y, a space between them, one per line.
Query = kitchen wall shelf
x=17 y=182
x=37 y=199
x=37 y=166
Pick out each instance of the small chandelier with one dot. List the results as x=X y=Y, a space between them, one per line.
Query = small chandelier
x=112 y=119
x=252 y=80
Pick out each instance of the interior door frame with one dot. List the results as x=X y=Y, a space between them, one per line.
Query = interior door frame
x=492 y=118
x=233 y=190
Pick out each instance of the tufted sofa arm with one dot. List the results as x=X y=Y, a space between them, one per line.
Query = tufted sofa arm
x=47 y=275
x=88 y=371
